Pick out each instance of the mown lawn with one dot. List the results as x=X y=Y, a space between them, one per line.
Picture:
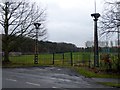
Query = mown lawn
x=48 y=58
x=85 y=58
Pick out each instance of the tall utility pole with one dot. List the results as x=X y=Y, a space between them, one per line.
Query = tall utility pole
x=118 y=27
x=36 y=43
x=118 y=49
x=96 y=53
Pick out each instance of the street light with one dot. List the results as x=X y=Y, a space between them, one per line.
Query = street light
x=96 y=53
x=36 y=43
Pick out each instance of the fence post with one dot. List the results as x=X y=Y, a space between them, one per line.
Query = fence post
x=53 y=58
x=63 y=58
x=83 y=58
x=89 y=61
x=71 y=59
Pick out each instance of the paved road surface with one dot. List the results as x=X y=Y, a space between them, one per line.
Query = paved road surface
x=45 y=77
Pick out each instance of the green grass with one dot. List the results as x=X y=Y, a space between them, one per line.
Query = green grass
x=78 y=57
x=47 y=60
x=87 y=73
x=110 y=84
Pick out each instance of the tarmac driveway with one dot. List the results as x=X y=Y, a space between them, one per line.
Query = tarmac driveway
x=45 y=77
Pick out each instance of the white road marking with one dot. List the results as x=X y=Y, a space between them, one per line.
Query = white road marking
x=54 y=87
x=61 y=79
x=59 y=69
x=64 y=80
x=11 y=80
x=33 y=83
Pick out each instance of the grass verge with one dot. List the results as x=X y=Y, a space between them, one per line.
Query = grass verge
x=16 y=65
x=110 y=84
x=87 y=73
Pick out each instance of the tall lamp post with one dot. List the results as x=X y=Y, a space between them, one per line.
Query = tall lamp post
x=118 y=45
x=96 y=53
x=118 y=27
x=36 y=43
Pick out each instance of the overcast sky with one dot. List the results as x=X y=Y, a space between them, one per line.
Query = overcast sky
x=70 y=20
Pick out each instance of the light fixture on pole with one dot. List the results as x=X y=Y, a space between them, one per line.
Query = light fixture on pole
x=96 y=52
x=36 y=43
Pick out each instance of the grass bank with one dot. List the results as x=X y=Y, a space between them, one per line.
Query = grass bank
x=93 y=74
x=110 y=84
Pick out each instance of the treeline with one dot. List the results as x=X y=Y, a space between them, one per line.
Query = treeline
x=102 y=49
x=27 y=46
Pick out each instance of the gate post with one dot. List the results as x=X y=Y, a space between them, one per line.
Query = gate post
x=71 y=59
x=53 y=58
x=63 y=57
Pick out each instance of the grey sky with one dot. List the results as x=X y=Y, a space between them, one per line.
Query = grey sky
x=69 y=20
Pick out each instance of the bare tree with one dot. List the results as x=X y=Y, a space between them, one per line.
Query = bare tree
x=110 y=22
x=17 y=20
x=110 y=19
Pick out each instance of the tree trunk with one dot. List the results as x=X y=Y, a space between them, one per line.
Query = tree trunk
x=6 y=56
x=6 y=40
x=6 y=50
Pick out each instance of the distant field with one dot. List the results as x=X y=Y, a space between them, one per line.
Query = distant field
x=48 y=58
x=85 y=58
